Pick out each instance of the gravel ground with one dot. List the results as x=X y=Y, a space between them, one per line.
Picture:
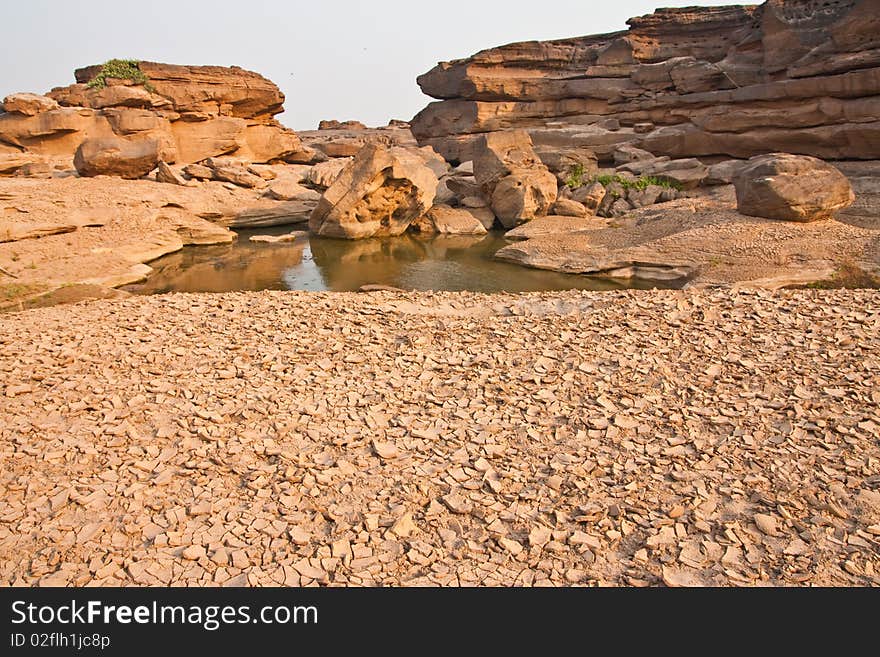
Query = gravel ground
x=615 y=438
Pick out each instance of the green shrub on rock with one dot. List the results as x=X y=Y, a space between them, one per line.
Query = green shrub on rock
x=121 y=69
x=640 y=183
x=576 y=179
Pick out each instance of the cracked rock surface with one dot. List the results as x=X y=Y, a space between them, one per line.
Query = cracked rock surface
x=679 y=438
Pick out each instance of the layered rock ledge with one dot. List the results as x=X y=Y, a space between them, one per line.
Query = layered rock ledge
x=188 y=113
x=795 y=76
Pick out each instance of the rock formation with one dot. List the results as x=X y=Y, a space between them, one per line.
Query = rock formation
x=799 y=76
x=114 y=156
x=379 y=193
x=791 y=187
x=193 y=112
x=446 y=220
x=512 y=178
x=335 y=139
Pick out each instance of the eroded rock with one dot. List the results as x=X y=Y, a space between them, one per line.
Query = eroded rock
x=791 y=188
x=380 y=192
x=738 y=81
x=113 y=156
x=512 y=177
x=446 y=220
x=28 y=104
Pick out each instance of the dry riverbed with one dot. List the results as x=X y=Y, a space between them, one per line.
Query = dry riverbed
x=620 y=438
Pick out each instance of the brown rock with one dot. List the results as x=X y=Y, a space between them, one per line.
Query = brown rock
x=723 y=173
x=324 y=173
x=590 y=196
x=206 y=91
x=404 y=526
x=737 y=81
x=113 y=156
x=464 y=187
x=341 y=125
x=36 y=169
x=165 y=173
x=56 y=132
x=272 y=143
x=198 y=171
x=449 y=221
x=385 y=450
x=81 y=95
x=235 y=172
x=279 y=239
x=628 y=153
x=192 y=229
x=194 y=552
x=564 y=162
x=639 y=198
x=199 y=140
x=482 y=214
x=766 y=523
x=380 y=192
x=28 y=104
x=518 y=185
x=11 y=163
x=791 y=188
x=569 y=208
x=287 y=189
x=285 y=213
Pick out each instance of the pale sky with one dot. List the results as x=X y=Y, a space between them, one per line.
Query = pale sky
x=333 y=59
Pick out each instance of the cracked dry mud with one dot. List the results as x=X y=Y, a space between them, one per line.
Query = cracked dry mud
x=623 y=438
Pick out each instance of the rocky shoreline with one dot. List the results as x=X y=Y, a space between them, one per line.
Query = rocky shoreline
x=577 y=438
x=642 y=154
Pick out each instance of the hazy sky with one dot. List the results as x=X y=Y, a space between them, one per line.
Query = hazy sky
x=332 y=58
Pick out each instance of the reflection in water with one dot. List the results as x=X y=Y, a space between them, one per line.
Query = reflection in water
x=315 y=263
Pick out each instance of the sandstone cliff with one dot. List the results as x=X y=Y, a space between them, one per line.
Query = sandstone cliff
x=193 y=112
x=801 y=76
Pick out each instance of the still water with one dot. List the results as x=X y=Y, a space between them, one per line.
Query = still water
x=316 y=263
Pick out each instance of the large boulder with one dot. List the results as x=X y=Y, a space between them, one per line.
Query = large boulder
x=379 y=193
x=113 y=156
x=512 y=177
x=791 y=188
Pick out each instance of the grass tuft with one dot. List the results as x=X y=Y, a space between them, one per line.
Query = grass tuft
x=12 y=291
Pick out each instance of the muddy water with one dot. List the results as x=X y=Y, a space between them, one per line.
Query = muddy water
x=316 y=263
